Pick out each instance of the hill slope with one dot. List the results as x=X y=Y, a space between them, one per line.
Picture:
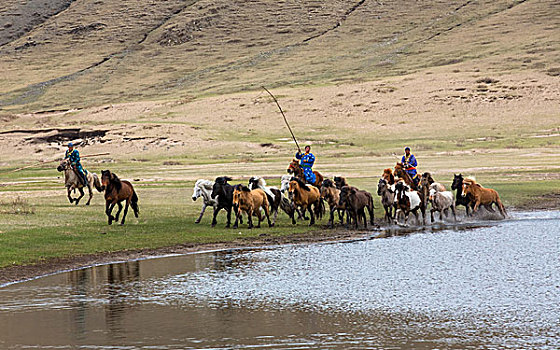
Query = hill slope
x=90 y=52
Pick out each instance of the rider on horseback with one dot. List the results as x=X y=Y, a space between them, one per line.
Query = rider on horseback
x=306 y=162
x=409 y=163
x=74 y=156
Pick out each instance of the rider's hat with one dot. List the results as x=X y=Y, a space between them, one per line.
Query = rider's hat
x=407 y=148
x=70 y=144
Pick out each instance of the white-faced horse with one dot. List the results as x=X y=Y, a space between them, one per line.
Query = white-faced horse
x=203 y=188
x=73 y=181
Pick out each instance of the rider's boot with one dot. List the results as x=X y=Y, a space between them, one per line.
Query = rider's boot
x=84 y=179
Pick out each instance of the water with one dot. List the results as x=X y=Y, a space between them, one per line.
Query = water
x=491 y=287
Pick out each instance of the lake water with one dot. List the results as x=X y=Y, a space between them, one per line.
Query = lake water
x=494 y=286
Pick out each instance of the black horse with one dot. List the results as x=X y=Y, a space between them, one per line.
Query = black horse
x=224 y=192
x=467 y=200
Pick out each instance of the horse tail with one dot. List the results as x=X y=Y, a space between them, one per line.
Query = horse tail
x=134 y=203
x=97 y=183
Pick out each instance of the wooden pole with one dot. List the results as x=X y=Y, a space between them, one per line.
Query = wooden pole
x=285 y=120
x=56 y=160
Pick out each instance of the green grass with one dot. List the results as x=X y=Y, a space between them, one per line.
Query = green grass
x=50 y=227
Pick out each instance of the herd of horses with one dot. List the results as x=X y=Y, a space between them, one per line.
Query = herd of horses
x=399 y=195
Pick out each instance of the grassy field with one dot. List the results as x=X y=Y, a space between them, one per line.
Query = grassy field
x=37 y=222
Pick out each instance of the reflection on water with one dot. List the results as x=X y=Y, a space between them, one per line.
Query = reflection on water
x=489 y=287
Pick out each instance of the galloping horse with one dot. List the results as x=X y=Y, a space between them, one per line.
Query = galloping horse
x=116 y=191
x=73 y=181
x=482 y=196
x=400 y=172
x=305 y=196
x=295 y=169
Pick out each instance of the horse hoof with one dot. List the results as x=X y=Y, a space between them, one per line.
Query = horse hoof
x=87 y=203
x=197 y=222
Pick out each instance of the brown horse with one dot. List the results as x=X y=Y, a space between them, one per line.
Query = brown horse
x=306 y=196
x=400 y=172
x=388 y=176
x=482 y=196
x=332 y=195
x=295 y=169
x=251 y=202
x=117 y=191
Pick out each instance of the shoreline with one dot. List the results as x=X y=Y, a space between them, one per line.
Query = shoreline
x=21 y=273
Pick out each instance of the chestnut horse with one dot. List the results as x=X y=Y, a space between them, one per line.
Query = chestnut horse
x=117 y=191
x=295 y=169
x=482 y=196
x=388 y=176
x=306 y=196
x=400 y=172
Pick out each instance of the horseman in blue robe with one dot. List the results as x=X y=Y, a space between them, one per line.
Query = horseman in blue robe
x=306 y=162
x=74 y=156
x=409 y=163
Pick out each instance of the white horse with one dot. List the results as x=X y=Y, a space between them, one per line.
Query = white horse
x=73 y=181
x=441 y=202
x=285 y=183
x=203 y=188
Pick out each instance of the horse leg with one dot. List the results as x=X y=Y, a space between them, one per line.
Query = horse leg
x=214 y=221
x=312 y=221
x=125 y=210
x=267 y=213
x=330 y=224
x=90 y=193
x=476 y=205
x=69 y=195
x=454 y=214
x=432 y=214
x=81 y=195
x=250 y=218
x=237 y=215
x=108 y=209
x=228 y=217
x=204 y=205
x=118 y=211
x=275 y=211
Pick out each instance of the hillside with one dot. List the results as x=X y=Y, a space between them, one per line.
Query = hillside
x=89 y=52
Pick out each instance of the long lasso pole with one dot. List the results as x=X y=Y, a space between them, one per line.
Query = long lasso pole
x=283 y=115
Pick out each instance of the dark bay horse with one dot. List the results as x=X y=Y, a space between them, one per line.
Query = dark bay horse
x=116 y=191
x=466 y=200
x=297 y=171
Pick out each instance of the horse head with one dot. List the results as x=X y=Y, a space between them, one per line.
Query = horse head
x=64 y=165
x=457 y=181
x=199 y=186
x=381 y=186
x=110 y=178
x=294 y=167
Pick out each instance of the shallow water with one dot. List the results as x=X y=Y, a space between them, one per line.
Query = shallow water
x=495 y=286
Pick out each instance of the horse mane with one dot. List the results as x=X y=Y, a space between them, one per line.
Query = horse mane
x=207 y=184
x=327 y=183
x=241 y=187
x=428 y=176
x=115 y=181
x=222 y=180
x=300 y=183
